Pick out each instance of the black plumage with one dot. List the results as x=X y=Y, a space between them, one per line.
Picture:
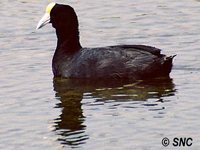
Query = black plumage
x=121 y=61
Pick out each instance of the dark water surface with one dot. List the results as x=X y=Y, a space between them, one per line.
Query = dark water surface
x=38 y=112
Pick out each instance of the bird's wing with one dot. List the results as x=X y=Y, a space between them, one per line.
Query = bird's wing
x=150 y=49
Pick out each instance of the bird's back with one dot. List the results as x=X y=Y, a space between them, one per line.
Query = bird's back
x=122 y=61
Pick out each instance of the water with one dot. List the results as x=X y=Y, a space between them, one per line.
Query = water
x=38 y=112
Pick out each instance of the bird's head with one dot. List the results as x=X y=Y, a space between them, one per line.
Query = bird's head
x=61 y=16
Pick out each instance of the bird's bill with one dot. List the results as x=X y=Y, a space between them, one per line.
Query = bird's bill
x=43 y=21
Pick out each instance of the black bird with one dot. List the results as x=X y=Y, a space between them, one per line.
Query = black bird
x=70 y=60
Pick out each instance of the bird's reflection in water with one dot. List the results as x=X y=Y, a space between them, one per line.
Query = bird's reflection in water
x=70 y=124
x=137 y=91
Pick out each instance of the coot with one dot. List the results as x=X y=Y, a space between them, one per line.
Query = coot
x=71 y=60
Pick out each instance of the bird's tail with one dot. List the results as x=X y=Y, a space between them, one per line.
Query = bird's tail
x=167 y=65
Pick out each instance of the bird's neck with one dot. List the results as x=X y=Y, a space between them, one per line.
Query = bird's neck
x=67 y=45
x=68 y=41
